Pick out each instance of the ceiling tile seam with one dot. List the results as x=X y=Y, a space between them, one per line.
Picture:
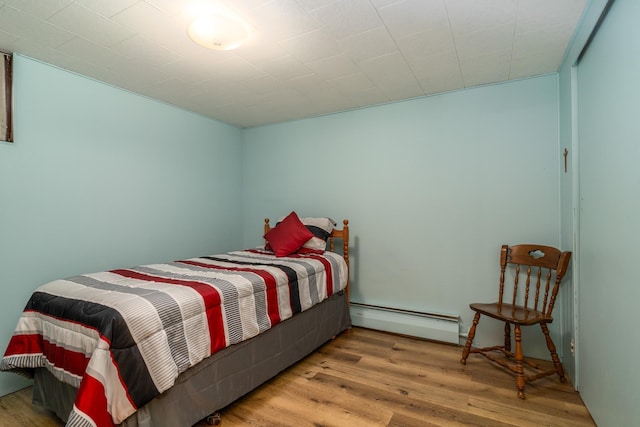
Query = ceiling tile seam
x=55 y=12
x=38 y=19
x=331 y=81
x=513 y=38
x=395 y=43
x=134 y=31
x=158 y=8
x=11 y=6
x=455 y=45
x=110 y=67
x=57 y=27
x=76 y=35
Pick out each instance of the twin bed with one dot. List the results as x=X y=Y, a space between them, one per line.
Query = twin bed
x=169 y=344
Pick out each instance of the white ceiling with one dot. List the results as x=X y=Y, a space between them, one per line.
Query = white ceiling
x=306 y=57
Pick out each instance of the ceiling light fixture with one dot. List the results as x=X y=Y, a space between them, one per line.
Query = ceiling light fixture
x=219 y=29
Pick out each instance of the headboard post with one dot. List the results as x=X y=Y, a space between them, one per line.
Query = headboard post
x=344 y=235
x=267 y=227
x=345 y=250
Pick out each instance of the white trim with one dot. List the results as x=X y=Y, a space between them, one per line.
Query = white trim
x=575 y=192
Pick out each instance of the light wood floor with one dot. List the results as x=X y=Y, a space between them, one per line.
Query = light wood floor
x=369 y=378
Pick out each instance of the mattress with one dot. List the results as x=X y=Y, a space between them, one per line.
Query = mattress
x=225 y=376
x=123 y=337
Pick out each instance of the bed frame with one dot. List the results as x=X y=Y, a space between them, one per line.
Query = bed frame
x=230 y=373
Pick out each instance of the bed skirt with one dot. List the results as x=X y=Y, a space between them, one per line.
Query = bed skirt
x=225 y=376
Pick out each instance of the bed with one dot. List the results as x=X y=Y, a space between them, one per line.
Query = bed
x=169 y=344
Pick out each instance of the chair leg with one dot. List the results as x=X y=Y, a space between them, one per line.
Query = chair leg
x=507 y=337
x=554 y=356
x=472 y=334
x=519 y=365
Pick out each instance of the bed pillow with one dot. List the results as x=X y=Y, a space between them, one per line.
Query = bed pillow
x=321 y=229
x=288 y=235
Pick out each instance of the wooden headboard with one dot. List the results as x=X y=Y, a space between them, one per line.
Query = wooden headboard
x=335 y=234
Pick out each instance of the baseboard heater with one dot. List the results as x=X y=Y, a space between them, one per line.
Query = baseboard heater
x=437 y=327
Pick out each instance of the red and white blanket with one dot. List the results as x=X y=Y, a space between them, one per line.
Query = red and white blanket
x=122 y=337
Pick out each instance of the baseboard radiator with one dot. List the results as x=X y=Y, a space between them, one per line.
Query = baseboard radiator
x=437 y=327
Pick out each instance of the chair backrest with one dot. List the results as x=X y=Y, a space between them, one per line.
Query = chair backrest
x=540 y=266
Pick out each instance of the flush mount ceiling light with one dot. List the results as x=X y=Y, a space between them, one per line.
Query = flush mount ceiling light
x=219 y=29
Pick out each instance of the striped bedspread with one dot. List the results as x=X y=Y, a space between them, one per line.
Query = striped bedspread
x=122 y=337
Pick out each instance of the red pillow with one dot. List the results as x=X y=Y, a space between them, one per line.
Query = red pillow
x=288 y=236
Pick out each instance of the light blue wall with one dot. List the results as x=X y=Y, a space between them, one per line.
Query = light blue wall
x=609 y=156
x=432 y=187
x=100 y=178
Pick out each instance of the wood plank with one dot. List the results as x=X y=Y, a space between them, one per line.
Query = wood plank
x=16 y=409
x=372 y=378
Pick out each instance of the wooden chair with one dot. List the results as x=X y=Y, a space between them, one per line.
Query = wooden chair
x=545 y=266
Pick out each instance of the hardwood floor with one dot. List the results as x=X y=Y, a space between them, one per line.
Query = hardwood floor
x=370 y=378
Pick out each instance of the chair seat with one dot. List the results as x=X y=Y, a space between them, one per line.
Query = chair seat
x=515 y=314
